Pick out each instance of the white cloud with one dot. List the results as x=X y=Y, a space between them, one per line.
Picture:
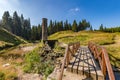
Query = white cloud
x=75 y=9
x=8 y=5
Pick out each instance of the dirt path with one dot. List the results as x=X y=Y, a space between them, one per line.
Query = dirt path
x=26 y=76
x=28 y=48
x=20 y=51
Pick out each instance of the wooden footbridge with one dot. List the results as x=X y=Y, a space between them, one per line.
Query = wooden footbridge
x=91 y=61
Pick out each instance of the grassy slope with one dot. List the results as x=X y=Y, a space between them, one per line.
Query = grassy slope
x=8 y=39
x=12 y=55
x=101 y=38
x=83 y=37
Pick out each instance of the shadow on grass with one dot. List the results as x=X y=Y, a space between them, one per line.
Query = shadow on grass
x=13 y=56
x=66 y=37
x=115 y=61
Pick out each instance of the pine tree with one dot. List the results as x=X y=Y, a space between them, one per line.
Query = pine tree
x=101 y=27
x=61 y=26
x=7 y=21
x=69 y=26
x=55 y=27
x=74 y=26
x=83 y=25
x=50 y=28
x=66 y=27
x=27 y=29
x=91 y=29
x=39 y=30
x=17 y=24
x=22 y=25
x=33 y=33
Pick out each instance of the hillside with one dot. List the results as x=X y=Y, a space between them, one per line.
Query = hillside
x=8 y=39
x=108 y=40
x=84 y=37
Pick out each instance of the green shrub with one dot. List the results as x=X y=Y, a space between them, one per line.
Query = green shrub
x=12 y=76
x=32 y=61
x=2 y=76
x=35 y=64
x=48 y=70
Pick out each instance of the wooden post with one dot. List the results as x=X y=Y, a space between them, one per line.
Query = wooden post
x=103 y=64
x=63 y=64
x=67 y=56
x=44 y=28
x=108 y=65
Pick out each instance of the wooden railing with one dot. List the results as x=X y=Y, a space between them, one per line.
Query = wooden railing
x=101 y=55
x=70 y=50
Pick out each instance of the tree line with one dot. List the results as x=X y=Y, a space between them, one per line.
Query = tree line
x=56 y=26
x=16 y=24
x=20 y=26
x=110 y=30
x=62 y=26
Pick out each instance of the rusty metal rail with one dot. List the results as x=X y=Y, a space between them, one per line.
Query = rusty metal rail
x=101 y=55
x=71 y=49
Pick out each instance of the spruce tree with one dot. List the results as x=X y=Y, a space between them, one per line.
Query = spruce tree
x=7 y=21
x=74 y=26
x=17 y=24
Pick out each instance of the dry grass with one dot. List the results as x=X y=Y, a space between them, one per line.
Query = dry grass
x=110 y=40
x=84 y=37
x=9 y=71
x=114 y=51
x=14 y=56
x=114 y=54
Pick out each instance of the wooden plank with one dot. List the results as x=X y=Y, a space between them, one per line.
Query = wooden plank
x=79 y=60
x=85 y=64
x=99 y=73
x=81 y=63
x=93 y=73
x=72 y=62
x=88 y=63
x=74 y=66
x=86 y=69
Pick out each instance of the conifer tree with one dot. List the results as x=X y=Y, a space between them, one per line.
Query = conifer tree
x=74 y=26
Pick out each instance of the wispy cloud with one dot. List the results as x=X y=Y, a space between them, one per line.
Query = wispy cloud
x=75 y=9
x=8 y=5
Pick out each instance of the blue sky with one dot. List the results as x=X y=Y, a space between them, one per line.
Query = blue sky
x=106 y=12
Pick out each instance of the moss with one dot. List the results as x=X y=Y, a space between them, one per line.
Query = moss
x=12 y=76
x=2 y=76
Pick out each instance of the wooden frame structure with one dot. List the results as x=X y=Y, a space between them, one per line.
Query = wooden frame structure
x=101 y=55
x=71 y=49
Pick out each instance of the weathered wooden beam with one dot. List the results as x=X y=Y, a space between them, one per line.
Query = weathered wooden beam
x=108 y=65
x=68 y=56
x=103 y=59
x=44 y=29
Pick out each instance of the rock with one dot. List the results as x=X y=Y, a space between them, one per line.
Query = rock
x=63 y=45
x=31 y=76
x=6 y=65
x=54 y=74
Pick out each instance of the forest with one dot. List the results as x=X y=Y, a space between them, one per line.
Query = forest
x=20 y=26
